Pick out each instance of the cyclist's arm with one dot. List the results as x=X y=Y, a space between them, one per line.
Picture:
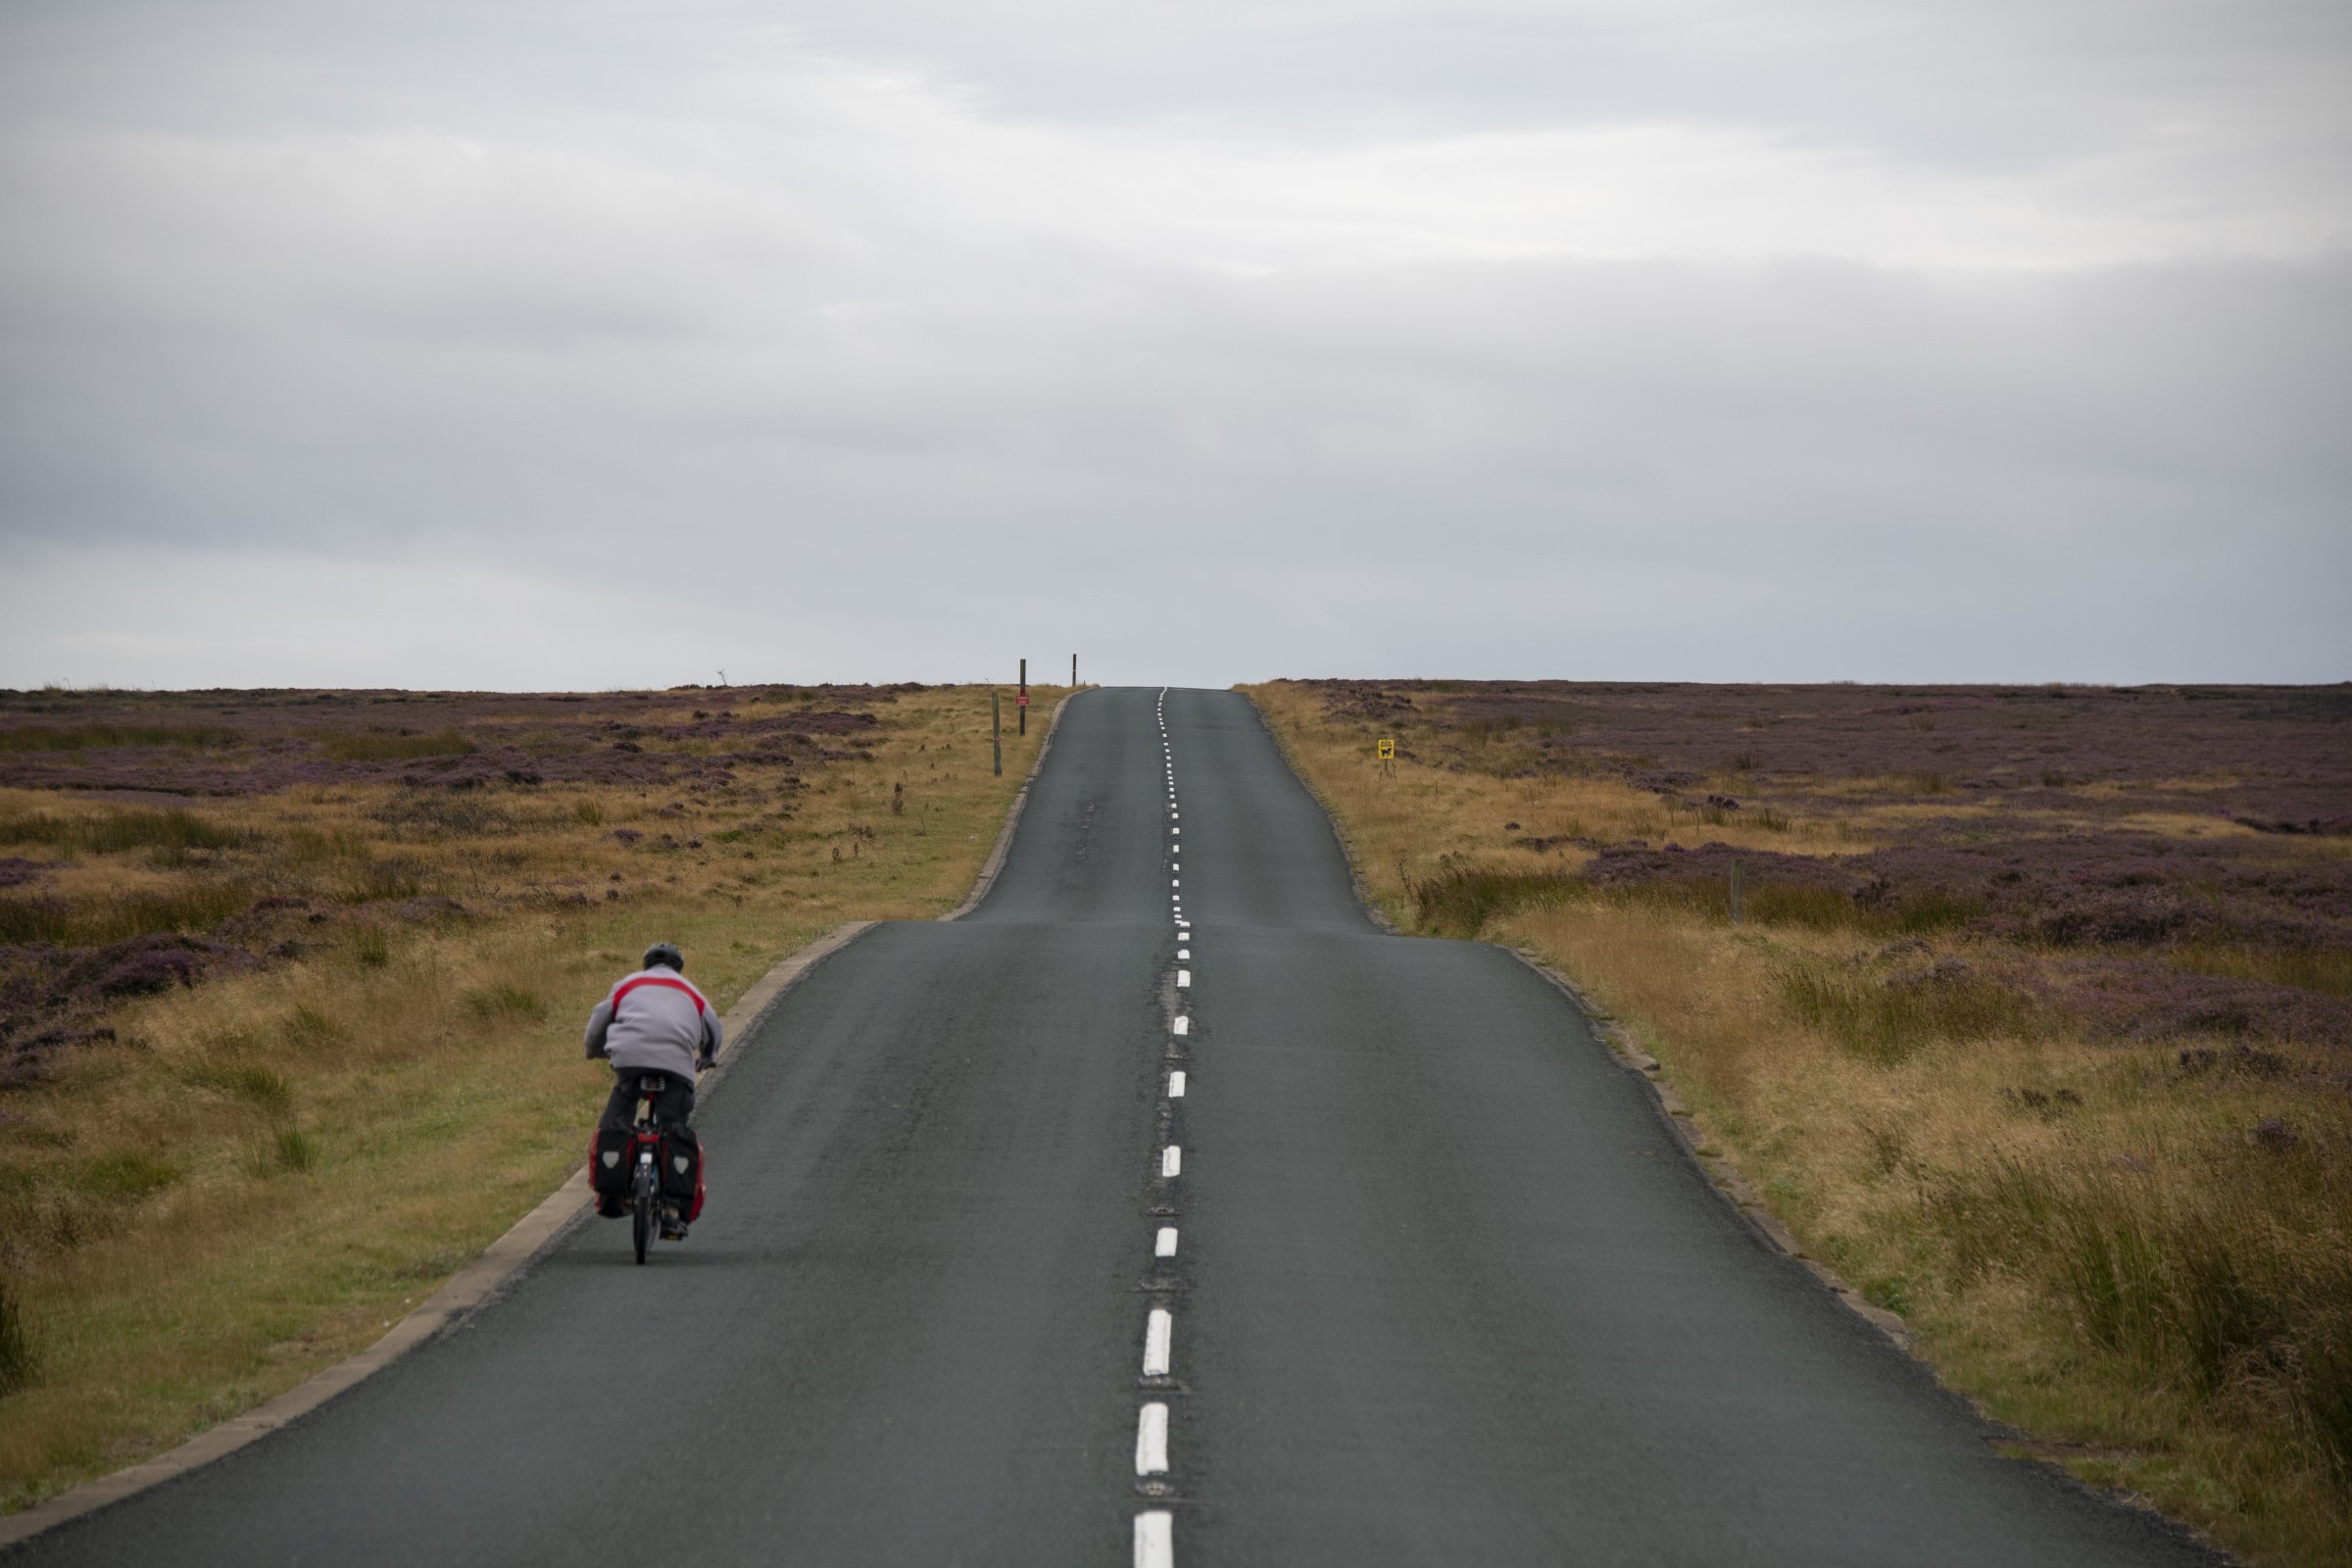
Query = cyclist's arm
x=714 y=1035
x=598 y=1022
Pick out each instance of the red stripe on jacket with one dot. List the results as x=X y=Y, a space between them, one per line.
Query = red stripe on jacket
x=656 y=980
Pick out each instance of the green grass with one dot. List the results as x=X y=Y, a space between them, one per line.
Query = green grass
x=384 y=746
x=171 y=830
x=1460 y=900
x=261 y=1087
x=105 y=737
x=504 y=1003
x=294 y=1150
x=2237 y=1285
x=1885 y=1018
x=192 y=911
x=2324 y=969
x=16 y=1347
x=380 y=882
x=127 y=1176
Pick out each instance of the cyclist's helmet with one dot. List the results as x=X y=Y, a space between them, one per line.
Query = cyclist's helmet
x=666 y=953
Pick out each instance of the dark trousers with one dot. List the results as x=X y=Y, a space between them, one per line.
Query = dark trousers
x=674 y=1105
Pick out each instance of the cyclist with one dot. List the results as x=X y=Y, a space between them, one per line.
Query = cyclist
x=654 y=1021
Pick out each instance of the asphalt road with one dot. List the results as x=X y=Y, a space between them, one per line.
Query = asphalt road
x=1443 y=1288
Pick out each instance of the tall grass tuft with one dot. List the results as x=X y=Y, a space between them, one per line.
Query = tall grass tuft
x=1885 y=1018
x=294 y=1150
x=2324 y=969
x=380 y=745
x=309 y=1027
x=260 y=1087
x=505 y=1002
x=106 y=737
x=2233 y=1277
x=171 y=829
x=128 y=1176
x=192 y=911
x=381 y=882
x=15 y=1344
x=1459 y=900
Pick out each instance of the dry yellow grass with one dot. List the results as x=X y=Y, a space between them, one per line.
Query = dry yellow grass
x=267 y=1168
x=2084 y=1237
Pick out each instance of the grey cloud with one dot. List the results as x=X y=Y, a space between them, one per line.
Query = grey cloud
x=341 y=353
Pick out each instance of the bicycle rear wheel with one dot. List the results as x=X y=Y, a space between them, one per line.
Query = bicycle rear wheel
x=642 y=1216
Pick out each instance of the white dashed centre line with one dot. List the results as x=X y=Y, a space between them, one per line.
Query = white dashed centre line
x=1182 y=1026
x=1184 y=977
x=1183 y=952
x=1164 y=1243
x=1171 y=1162
x=1158 y=1329
x=1151 y=1441
x=1176 y=1084
x=1156 y=1538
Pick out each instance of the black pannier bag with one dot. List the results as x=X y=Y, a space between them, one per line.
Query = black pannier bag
x=609 y=1161
x=681 y=1164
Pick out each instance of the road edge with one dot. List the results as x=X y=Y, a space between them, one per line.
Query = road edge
x=1724 y=1176
x=468 y=1289
x=998 y=854
x=1338 y=825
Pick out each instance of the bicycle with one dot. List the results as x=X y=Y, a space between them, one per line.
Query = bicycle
x=652 y=1202
x=645 y=1179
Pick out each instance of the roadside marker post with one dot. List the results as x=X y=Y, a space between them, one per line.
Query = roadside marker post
x=995 y=726
x=1023 y=701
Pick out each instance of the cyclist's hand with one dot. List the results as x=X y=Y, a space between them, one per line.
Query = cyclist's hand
x=705 y=1063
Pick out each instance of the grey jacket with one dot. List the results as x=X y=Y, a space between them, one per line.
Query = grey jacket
x=655 y=1020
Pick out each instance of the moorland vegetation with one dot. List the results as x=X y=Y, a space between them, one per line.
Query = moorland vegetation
x=2037 y=1026
x=291 y=986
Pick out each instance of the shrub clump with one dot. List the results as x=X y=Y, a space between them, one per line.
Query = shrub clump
x=1460 y=899
x=174 y=829
x=1886 y=1018
x=380 y=745
x=2238 y=1283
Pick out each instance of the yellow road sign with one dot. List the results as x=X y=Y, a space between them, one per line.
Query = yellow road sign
x=1388 y=749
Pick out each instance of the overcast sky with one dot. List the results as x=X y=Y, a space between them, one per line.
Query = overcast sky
x=596 y=343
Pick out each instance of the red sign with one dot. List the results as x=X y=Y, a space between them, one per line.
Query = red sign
x=1025 y=699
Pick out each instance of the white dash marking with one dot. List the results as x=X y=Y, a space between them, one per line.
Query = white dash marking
x=1182 y=1026
x=1156 y=1538
x=1183 y=952
x=1158 y=1329
x=1164 y=1243
x=1184 y=977
x=1151 y=1441
x=1176 y=1084
x=1171 y=1160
